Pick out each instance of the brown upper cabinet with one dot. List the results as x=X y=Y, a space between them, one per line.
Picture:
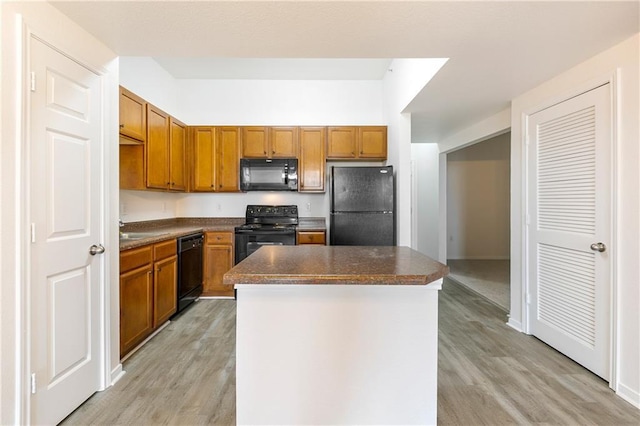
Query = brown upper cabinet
x=216 y=158
x=133 y=117
x=341 y=142
x=372 y=142
x=312 y=162
x=353 y=143
x=165 y=153
x=283 y=142
x=269 y=142
x=177 y=155
x=157 y=153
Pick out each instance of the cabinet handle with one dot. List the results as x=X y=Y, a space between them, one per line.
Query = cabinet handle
x=159 y=269
x=122 y=126
x=150 y=272
x=212 y=185
x=273 y=152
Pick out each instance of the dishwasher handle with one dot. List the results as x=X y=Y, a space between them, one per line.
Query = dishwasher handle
x=190 y=242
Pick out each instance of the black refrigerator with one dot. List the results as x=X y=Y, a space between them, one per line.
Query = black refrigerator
x=362 y=206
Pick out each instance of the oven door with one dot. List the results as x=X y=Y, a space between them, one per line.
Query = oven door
x=249 y=242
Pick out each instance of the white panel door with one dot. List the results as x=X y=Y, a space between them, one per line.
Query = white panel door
x=570 y=222
x=65 y=213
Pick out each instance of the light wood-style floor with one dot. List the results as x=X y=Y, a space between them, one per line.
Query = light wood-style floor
x=490 y=278
x=488 y=374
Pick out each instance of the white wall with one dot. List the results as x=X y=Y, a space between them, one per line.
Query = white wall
x=402 y=82
x=424 y=156
x=624 y=58
x=147 y=79
x=52 y=26
x=280 y=102
x=478 y=213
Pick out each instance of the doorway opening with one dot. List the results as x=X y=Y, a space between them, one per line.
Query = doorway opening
x=478 y=217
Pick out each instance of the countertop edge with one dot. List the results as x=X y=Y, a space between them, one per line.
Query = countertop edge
x=413 y=280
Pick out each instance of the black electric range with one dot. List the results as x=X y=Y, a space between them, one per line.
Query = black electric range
x=265 y=225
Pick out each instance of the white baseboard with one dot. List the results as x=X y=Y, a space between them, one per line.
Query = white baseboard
x=629 y=395
x=516 y=325
x=117 y=374
x=478 y=258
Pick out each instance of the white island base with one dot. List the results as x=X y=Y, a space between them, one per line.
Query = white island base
x=337 y=354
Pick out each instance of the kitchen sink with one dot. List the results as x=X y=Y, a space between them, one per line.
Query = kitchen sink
x=140 y=235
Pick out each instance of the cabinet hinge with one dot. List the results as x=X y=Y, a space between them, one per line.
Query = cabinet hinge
x=33 y=81
x=33 y=383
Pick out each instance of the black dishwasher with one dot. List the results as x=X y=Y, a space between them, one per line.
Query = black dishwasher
x=189 y=269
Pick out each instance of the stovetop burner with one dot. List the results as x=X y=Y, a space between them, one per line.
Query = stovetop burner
x=272 y=215
x=270 y=218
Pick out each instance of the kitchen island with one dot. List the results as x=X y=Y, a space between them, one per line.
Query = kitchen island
x=336 y=335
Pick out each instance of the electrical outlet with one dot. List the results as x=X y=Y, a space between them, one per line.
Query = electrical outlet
x=219 y=206
x=308 y=207
x=123 y=208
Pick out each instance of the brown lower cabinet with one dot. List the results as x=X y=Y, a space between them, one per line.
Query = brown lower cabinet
x=312 y=237
x=148 y=286
x=218 y=259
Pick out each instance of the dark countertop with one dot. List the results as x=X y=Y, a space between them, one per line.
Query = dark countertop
x=175 y=228
x=178 y=227
x=316 y=264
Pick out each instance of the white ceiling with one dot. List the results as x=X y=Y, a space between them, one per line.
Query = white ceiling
x=275 y=69
x=497 y=50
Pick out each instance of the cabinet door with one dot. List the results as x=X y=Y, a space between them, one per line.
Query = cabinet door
x=177 y=155
x=204 y=164
x=165 y=284
x=218 y=259
x=341 y=142
x=157 y=148
x=372 y=142
x=284 y=142
x=312 y=164
x=228 y=155
x=255 y=142
x=311 y=237
x=136 y=313
x=133 y=118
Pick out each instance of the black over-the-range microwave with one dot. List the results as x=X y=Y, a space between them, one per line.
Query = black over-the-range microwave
x=278 y=174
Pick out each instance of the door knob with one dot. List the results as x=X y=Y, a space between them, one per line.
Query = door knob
x=96 y=249
x=598 y=247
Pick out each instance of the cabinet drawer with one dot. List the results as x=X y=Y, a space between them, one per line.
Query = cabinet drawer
x=135 y=258
x=219 y=238
x=311 y=237
x=164 y=249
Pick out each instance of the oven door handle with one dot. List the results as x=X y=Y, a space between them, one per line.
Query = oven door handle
x=250 y=232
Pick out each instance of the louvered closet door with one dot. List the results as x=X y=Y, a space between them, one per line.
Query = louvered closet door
x=569 y=208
